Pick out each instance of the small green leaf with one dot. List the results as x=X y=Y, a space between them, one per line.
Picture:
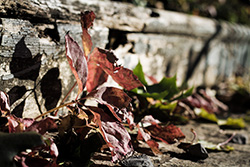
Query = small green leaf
x=166 y=84
x=185 y=94
x=138 y=71
x=237 y=123
x=201 y=112
x=169 y=106
x=216 y=147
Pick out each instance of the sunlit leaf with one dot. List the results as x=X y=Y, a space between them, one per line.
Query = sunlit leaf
x=234 y=123
x=165 y=89
x=216 y=147
x=138 y=71
x=106 y=60
x=77 y=62
x=28 y=124
x=185 y=94
x=202 y=113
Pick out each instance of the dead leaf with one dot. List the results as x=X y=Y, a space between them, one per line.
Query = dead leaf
x=167 y=134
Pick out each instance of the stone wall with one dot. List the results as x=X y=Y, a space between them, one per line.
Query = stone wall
x=34 y=69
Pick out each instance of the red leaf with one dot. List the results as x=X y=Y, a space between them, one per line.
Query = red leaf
x=106 y=60
x=87 y=19
x=114 y=133
x=77 y=62
x=111 y=95
x=96 y=76
x=115 y=99
x=4 y=103
x=167 y=134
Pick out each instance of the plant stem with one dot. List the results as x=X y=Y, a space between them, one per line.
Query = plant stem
x=50 y=111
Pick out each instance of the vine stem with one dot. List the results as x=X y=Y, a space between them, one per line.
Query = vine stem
x=50 y=111
x=227 y=141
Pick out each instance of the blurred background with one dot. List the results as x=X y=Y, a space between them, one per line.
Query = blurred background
x=235 y=11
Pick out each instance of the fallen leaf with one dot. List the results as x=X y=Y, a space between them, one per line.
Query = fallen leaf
x=43 y=125
x=203 y=113
x=167 y=134
x=29 y=124
x=149 y=120
x=77 y=62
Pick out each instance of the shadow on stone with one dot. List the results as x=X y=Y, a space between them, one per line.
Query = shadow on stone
x=23 y=65
x=15 y=94
x=51 y=88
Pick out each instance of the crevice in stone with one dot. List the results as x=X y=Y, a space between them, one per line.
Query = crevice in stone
x=116 y=38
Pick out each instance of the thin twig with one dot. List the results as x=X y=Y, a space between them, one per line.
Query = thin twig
x=227 y=141
x=50 y=111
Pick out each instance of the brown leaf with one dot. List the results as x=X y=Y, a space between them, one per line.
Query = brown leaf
x=77 y=62
x=167 y=134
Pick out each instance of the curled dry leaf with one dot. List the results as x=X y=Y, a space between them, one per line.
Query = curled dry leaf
x=114 y=133
x=77 y=62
